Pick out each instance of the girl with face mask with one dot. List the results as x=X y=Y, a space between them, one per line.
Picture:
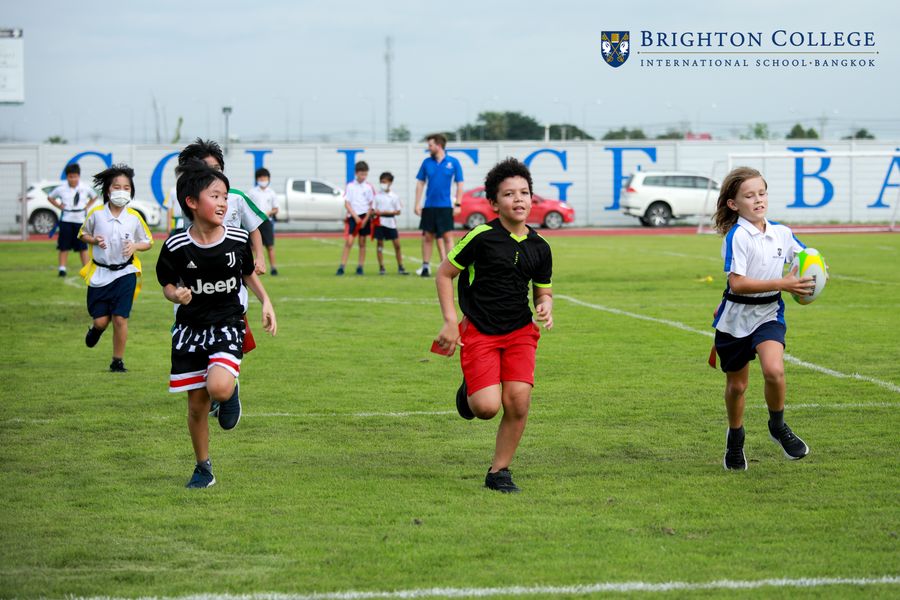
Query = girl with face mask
x=113 y=233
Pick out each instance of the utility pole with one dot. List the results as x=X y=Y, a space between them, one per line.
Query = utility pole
x=388 y=60
x=226 y=110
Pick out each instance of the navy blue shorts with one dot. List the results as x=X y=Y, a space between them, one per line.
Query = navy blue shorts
x=267 y=233
x=734 y=353
x=352 y=229
x=436 y=220
x=114 y=298
x=385 y=233
x=68 y=237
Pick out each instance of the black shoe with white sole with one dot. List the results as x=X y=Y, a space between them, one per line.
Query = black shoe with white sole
x=734 y=451
x=794 y=448
x=501 y=481
x=230 y=410
x=462 y=402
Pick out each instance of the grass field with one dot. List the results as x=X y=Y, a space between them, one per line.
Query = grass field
x=351 y=471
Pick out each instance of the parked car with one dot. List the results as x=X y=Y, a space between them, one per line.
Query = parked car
x=311 y=199
x=546 y=212
x=43 y=216
x=657 y=197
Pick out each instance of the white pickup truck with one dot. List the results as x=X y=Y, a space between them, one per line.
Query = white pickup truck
x=311 y=200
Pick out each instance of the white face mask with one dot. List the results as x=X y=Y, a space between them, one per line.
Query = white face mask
x=119 y=197
x=262 y=184
x=385 y=187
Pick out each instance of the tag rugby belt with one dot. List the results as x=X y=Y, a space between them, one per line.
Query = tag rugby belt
x=118 y=267
x=751 y=299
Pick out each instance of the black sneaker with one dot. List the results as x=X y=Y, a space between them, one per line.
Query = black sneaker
x=794 y=448
x=340 y=270
x=462 y=402
x=734 y=453
x=274 y=271
x=501 y=481
x=382 y=271
x=92 y=337
x=230 y=410
x=423 y=272
x=359 y=270
x=202 y=477
x=62 y=272
x=402 y=271
x=214 y=408
x=117 y=366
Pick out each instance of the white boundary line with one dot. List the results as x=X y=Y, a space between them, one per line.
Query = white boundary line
x=406 y=257
x=573 y=590
x=787 y=357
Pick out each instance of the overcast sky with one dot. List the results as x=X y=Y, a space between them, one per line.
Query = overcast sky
x=309 y=69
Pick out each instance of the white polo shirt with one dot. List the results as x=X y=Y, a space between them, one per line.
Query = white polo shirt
x=128 y=226
x=74 y=212
x=388 y=202
x=749 y=252
x=265 y=199
x=360 y=196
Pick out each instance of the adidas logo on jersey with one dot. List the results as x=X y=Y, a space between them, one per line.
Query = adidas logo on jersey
x=229 y=285
x=191 y=265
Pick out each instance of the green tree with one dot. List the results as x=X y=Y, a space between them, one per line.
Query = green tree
x=757 y=131
x=861 y=134
x=400 y=134
x=671 y=134
x=567 y=131
x=56 y=139
x=798 y=133
x=624 y=134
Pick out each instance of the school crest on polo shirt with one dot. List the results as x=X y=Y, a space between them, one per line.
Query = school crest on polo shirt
x=615 y=47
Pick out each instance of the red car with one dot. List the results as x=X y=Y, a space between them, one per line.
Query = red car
x=548 y=213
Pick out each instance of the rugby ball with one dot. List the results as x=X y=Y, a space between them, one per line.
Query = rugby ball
x=809 y=263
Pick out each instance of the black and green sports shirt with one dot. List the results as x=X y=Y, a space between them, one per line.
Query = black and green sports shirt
x=497 y=268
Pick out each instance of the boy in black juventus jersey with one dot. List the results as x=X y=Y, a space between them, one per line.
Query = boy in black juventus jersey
x=201 y=270
x=497 y=263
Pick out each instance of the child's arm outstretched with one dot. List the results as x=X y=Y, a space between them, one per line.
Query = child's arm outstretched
x=268 y=312
x=448 y=337
x=543 y=306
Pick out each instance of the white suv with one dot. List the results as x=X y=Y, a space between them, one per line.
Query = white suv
x=657 y=197
x=42 y=216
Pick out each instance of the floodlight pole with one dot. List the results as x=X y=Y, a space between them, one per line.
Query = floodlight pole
x=226 y=110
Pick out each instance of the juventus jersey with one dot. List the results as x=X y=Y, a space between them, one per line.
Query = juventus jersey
x=214 y=272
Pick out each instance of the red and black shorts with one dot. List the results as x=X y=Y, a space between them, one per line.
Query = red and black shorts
x=195 y=350
x=490 y=359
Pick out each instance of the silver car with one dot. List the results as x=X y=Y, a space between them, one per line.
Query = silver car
x=658 y=197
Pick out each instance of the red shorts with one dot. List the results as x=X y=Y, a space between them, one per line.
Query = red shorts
x=489 y=359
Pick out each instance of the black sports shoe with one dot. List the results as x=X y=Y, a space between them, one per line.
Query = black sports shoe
x=734 y=453
x=462 y=402
x=359 y=270
x=340 y=270
x=501 y=481
x=274 y=271
x=402 y=271
x=62 y=272
x=202 y=477
x=382 y=271
x=230 y=410
x=117 y=366
x=794 y=448
x=92 y=337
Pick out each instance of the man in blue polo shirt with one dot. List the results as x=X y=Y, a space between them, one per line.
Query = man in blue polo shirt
x=438 y=170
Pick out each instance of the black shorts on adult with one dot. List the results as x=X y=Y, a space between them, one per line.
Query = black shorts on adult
x=734 y=353
x=385 y=233
x=68 y=237
x=114 y=298
x=353 y=229
x=436 y=220
x=267 y=233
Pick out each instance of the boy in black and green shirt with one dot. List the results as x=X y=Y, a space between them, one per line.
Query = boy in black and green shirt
x=498 y=335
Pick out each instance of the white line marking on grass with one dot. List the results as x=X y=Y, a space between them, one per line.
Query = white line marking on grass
x=787 y=357
x=362 y=415
x=362 y=300
x=861 y=280
x=75 y=282
x=386 y=250
x=548 y=590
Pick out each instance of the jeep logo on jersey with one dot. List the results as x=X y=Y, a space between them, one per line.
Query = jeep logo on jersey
x=615 y=47
x=201 y=287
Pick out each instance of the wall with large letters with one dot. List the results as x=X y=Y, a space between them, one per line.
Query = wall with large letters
x=588 y=175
